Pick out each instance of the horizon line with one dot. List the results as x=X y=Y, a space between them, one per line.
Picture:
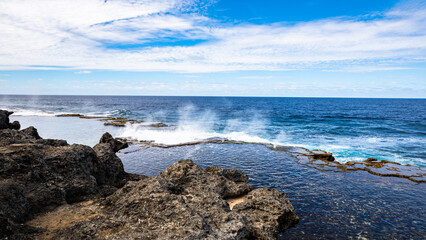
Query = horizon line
x=213 y=96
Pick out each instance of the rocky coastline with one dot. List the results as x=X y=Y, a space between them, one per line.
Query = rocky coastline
x=52 y=190
x=317 y=159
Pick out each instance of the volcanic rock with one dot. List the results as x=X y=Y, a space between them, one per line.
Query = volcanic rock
x=116 y=145
x=187 y=202
x=50 y=189
x=37 y=174
x=4 y=121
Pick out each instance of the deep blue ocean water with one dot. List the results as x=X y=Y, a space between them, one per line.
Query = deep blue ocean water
x=331 y=205
x=352 y=129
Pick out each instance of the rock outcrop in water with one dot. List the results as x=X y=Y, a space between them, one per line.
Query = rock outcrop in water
x=4 y=121
x=52 y=190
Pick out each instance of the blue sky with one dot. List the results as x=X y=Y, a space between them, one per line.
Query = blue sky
x=317 y=48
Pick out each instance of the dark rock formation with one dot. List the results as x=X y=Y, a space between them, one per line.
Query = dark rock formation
x=116 y=145
x=4 y=121
x=39 y=174
x=187 y=202
x=321 y=155
x=158 y=125
x=183 y=202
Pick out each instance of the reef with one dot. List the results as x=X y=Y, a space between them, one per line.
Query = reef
x=52 y=190
x=115 y=122
x=324 y=161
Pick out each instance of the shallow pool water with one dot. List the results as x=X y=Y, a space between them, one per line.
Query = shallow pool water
x=331 y=205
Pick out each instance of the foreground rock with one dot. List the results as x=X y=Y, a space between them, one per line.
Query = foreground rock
x=38 y=174
x=183 y=202
x=52 y=190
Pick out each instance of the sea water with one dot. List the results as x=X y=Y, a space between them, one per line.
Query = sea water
x=352 y=129
x=331 y=205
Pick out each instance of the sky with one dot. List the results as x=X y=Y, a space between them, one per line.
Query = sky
x=273 y=48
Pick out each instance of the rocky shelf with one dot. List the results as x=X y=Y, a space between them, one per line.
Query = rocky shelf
x=324 y=161
x=318 y=159
x=115 y=122
x=52 y=190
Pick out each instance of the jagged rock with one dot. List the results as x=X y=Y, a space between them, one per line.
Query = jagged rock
x=115 y=144
x=31 y=131
x=231 y=174
x=187 y=202
x=135 y=177
x=27 y=135
x=109 y=169
x=4 y=121
x=38 y=174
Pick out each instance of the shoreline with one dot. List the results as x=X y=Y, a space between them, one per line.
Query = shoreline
x=318 y=159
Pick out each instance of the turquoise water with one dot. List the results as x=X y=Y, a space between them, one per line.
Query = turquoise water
x=352 y=129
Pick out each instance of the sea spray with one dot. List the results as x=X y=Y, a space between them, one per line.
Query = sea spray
x=352 y=129
x=194 y=125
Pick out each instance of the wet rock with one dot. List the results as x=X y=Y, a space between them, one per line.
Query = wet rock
x=69 y=115
x=115 y=144
x=324 y=161
x=158 y=125
x=370 y=160
x=322 y=155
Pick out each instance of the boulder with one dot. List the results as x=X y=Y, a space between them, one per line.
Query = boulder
x=109 y=169
x=115 y=144
x=4 y=121
x=268 y=212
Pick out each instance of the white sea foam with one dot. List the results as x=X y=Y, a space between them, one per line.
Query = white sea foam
x=44 y=113
x=184 y=134
x=194 y=126
x=29 y=112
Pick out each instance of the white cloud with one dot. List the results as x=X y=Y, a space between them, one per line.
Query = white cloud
x=81 y=34
x=83 y=72
x=3 y=80
x=257 y=77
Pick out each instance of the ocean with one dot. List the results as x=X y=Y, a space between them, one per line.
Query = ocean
x=352 y=129
x=332 y=205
